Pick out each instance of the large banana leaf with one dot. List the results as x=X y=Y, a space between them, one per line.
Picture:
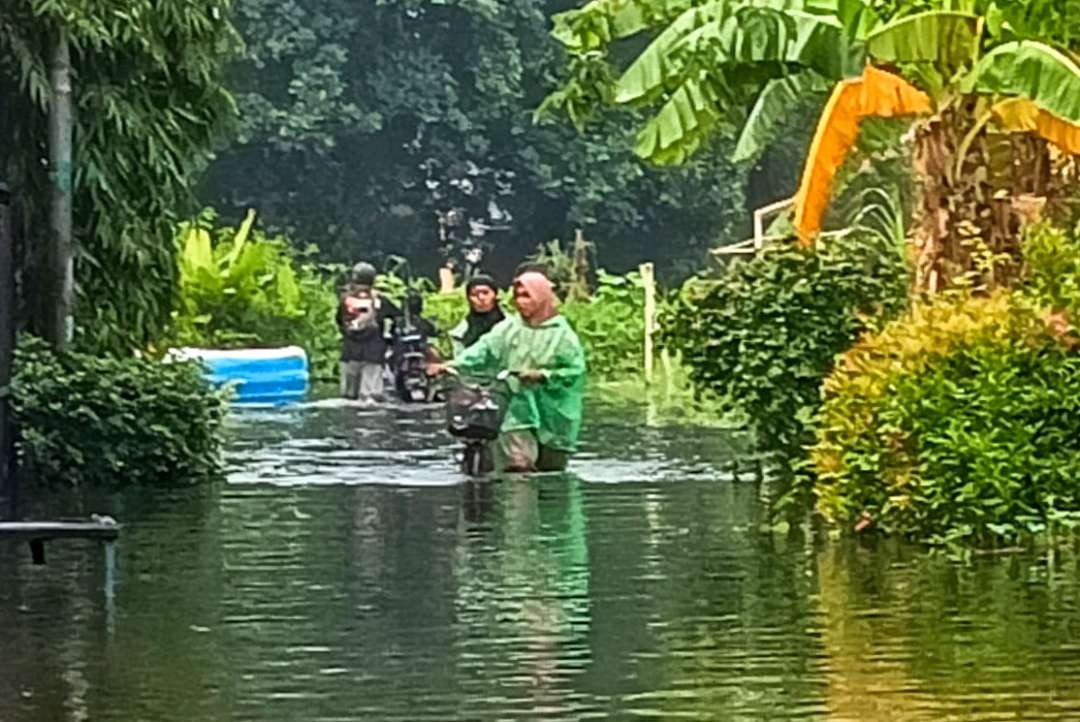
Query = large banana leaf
x=199 y=273
x=678 y=128
x=723 y=32
x=288 y=290
x=778 y=97
x=857 y=17
x=948 y=39
x=239 y=241
x=1043 y=74
x=598 y=22
x=764 y=35
x=647 y=75
x=1022 y=115
x=877 y=93
x=197 y=252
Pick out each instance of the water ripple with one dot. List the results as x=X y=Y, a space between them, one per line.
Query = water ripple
x=346 y=571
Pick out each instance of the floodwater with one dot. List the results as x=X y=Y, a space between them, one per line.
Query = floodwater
x=345 y=571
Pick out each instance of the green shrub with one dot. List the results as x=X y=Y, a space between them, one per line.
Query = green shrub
x=447 y=310
x=1052 y=268
x=107 y=421
x=611 y=325
x=960 y=421
x=239 y=288
x=764 y=335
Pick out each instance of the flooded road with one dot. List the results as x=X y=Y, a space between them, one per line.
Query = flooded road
x=345 y=571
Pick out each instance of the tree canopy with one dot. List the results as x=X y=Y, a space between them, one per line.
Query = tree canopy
x=364 y=123
x=150 y=104
x=702 y=67
x=978 y=71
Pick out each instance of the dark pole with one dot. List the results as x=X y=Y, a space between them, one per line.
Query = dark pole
x=7 y=343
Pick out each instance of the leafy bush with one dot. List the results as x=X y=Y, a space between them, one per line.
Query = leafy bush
x=611 y=325
x=240 y=288
x=960 y=421
x=107 y=421
x=1052 y=268
x=765 y=334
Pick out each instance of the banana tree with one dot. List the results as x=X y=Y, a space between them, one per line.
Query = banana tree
x=992 y=86
x=1003 y=116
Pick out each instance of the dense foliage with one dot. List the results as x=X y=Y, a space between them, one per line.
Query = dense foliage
x=88 y=420
x=150 y=105
x=1052 y=269
x=707 y=67
x=611 y=326
x=988 y=86
x=764 y=335
x=960 y=421
x=364 y=124
x=239 y=288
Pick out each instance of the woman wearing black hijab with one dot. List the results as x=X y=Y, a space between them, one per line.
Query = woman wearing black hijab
x=484 y=312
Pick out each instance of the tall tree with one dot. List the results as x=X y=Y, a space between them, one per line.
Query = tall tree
x=57 y=326
x=149 y=105
x=371 y=127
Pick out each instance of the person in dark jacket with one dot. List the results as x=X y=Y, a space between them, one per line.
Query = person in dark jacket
x=484 y=312
x=362 y=317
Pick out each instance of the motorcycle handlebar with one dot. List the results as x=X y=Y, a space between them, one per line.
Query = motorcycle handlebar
x=501 y=376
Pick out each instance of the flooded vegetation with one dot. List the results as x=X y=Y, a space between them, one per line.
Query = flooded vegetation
x=345 y=570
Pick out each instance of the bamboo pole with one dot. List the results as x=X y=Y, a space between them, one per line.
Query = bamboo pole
x=580 y=289
x=58 y=317
x=648 y=279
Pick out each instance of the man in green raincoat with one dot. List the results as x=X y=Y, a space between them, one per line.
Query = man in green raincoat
x=548 y=383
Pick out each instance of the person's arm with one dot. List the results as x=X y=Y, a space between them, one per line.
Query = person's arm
x=569 y=365
x=387 y=310
x=485 y=356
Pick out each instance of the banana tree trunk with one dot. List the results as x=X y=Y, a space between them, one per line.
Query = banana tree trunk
x=978 y=189
x=57 y=327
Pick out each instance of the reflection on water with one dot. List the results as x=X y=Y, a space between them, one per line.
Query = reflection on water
x=345 y=571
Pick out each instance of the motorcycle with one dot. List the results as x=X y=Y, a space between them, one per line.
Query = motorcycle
x=409 y=359
x=475 y=409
